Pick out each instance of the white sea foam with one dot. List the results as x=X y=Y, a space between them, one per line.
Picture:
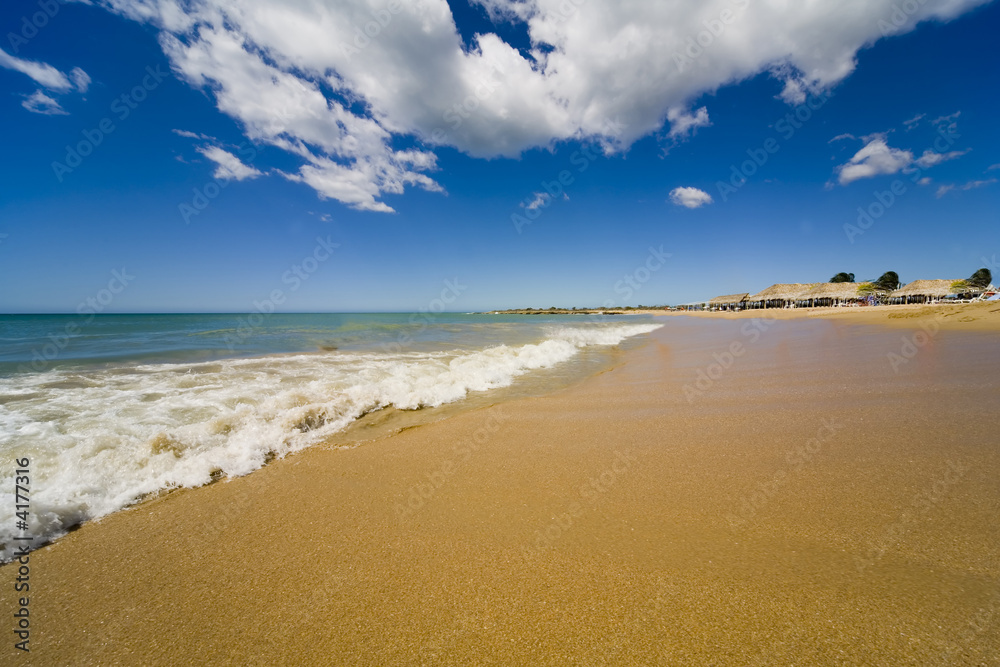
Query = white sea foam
x=100 y=440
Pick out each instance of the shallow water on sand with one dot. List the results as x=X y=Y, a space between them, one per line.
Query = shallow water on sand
x=113 y=409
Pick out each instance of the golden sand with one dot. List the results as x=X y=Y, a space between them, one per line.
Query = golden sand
x=808 y=500
x=978 y=316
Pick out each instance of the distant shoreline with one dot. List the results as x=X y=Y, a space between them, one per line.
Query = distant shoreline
x=978 y=316
x=577 y=311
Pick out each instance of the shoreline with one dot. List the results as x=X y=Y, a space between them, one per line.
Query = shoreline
x=615 y=520
x=481 y=378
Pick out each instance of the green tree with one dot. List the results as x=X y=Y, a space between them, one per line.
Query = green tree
x=981 y=278
x=887 y=282
x=843 y=278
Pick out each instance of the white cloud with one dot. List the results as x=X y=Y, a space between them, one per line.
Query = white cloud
x=295 y=73
x=840 y=137
x=683 y=123
x=931 y=158
x=81 y=80
x=971 y=185
x=46 y=75
x=913 y=122
x=876 y=158
x=797 y=86
x=192 y=135
x=540 y=199
x=39 y=102
x=230 y=167
x=690 y=197
x=993 y=166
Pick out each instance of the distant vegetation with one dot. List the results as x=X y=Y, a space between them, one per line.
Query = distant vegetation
x=887 y=282
x=843 y=278
x=981 y=278
x=880 y=289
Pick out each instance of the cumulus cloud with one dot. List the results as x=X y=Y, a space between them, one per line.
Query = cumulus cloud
x=876 y=158
x=690 y=197
x=39 y=102
x=342 y=84
x=229 y=167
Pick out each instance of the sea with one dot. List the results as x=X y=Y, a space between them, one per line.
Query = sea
x=111 y=410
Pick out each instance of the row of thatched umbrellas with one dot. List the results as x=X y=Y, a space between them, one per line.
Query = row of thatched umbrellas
x=783 y=295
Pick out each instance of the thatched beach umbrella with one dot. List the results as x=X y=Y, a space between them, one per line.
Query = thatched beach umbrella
x=729 y=301
x=829 y=294
x=920 y=291
x=780 y=295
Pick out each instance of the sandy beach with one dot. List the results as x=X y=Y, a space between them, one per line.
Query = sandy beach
x=736 y=491
x=978 y=316
x=340 y=332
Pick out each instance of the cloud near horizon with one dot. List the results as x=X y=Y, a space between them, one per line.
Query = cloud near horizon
x=342 y=85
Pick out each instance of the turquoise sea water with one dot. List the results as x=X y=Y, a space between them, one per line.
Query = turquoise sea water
x=41 y=342
x=114 y=408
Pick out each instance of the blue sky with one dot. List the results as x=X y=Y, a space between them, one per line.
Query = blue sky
x=248 y=132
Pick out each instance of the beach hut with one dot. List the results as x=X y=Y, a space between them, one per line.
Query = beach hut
x=922 y=291
x=781 y=295
x=729 y=302
x=829 y=294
